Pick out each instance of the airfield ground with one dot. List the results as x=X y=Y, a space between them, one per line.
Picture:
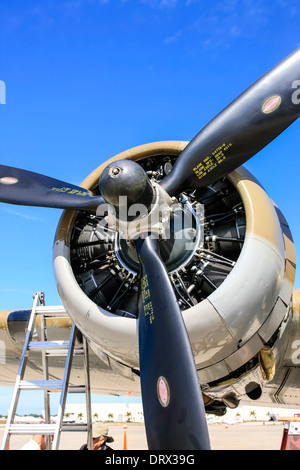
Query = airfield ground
x=241 y=436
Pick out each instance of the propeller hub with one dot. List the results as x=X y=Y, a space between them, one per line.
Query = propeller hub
x=126 y=179
x=138 y=206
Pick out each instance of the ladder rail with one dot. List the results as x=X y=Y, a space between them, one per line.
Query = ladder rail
x=88 y=394
x=63 y=397
x=45 y=366
x=20 y=374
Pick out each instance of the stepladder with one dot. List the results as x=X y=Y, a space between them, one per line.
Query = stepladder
x=51 y=425
x=291 y=433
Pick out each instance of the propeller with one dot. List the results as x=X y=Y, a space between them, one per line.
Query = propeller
x=241 y=130
x=27 y=188
x=173 y=405
x=172 y=400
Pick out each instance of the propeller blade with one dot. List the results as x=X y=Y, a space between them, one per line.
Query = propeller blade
x=172 y=400
x=26 y=188
x=241 y=130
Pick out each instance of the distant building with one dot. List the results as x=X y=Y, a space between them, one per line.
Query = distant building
x=253 y=413
x=116 y=412
x=133 y=412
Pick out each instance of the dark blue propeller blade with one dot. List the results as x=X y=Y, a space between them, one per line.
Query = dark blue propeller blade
x=26 y=188
x=241 y=130
x=172 y=400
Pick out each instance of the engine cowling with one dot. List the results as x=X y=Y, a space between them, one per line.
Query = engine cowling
x=233 y=283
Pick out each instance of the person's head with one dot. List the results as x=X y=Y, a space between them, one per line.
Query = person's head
x=100 y=435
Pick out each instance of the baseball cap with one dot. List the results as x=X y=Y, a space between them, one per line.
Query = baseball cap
x=99 y=429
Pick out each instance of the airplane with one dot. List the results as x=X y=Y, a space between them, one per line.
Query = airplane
x=178 y=268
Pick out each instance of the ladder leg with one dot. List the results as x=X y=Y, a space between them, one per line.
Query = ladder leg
x=88 y=394
x=20 y=375
x=45 y=364
x=64 y=391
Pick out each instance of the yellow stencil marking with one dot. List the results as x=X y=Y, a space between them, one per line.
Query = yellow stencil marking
x=210 y=162
x=148 y=307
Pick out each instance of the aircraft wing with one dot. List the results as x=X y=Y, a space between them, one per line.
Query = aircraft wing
x=107 y=377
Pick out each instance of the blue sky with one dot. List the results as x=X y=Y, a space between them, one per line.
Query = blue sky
x=87 y=79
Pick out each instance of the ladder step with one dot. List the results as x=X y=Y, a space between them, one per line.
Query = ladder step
x=53 y=385
x=54 y=348
x=77 y=427
x=50 y=385
x=76 y=389
x=32 y=429
x=47 y=345
x=45 y=429
x=52 y=311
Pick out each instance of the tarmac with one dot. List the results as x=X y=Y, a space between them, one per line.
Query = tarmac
x=240 y=436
